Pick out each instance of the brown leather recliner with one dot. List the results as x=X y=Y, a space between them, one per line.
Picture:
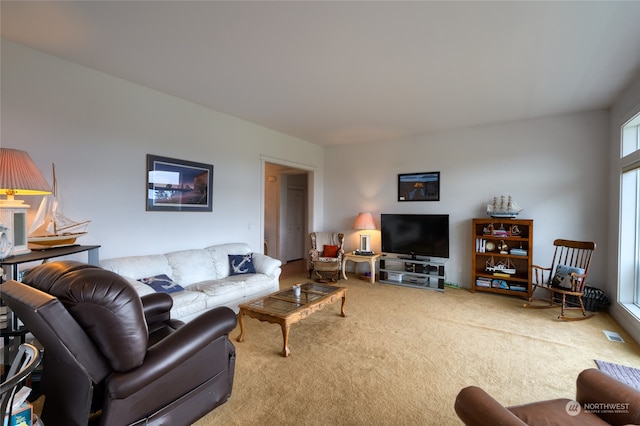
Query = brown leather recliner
x=116 y=358
x=600 y=400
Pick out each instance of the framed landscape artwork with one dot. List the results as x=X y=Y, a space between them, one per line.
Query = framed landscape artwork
x=419 y=186
x=178 y=185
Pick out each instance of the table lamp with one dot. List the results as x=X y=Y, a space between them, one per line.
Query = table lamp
x=364 y=222
x=18 y=176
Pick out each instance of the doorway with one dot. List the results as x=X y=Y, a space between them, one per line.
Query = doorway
x=286 y=212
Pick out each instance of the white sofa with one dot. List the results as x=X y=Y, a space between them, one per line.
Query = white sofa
x=205 y=276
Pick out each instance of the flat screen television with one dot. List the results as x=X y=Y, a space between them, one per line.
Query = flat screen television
x=415 y=235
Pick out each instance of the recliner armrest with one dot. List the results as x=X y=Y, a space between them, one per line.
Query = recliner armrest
x=475 y=407
x=173 y=350
x=595 y=387
x=156 y=307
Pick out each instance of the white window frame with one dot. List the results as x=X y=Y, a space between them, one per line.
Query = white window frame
x=629 y=224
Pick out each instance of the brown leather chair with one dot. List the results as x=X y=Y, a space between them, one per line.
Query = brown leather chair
x=600 y=400
x=118 y=359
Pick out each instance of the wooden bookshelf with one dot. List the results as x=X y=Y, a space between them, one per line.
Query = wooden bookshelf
x=501 y=257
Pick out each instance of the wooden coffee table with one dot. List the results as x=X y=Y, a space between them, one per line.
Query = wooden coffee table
x=285 y=309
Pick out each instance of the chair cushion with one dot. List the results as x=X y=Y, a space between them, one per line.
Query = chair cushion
x=562 y=276
x=330 y=251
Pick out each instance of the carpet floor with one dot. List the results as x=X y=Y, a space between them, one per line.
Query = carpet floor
x=402 y=354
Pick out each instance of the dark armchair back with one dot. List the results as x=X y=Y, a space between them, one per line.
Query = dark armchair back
x=102 y=355
x=104 y=304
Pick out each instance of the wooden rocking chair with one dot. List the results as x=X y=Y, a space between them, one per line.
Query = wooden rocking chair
x=565 y=279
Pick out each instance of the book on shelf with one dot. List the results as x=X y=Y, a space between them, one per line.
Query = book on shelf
x=483 y=282
x=518 y=252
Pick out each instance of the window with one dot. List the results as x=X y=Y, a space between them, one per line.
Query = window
x=629 y=267
x=631 y=136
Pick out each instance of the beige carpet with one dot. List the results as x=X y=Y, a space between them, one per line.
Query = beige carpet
x=401 y=355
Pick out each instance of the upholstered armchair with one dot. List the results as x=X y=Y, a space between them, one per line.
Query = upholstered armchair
x=600 y=400
x=325 y=255
x=118 y=359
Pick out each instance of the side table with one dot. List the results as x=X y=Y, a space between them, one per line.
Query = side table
x=11 y=266
x=357 y=258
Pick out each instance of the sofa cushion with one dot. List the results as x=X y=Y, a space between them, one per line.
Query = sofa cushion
x=220 y=255
x=192 y=266
x=241 y=264
x=161 y=284
x=137 y=267
x=187 y=303
x=233 y=288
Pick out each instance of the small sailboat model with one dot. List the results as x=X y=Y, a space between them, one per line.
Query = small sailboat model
x=50 y=228
x=504 y=207
x=504 y=266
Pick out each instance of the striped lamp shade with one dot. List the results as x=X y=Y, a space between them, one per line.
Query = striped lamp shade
x=19 y=175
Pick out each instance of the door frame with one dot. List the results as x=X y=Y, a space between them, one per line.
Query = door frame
x=288 y=167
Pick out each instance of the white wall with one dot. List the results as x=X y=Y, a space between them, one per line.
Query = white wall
x=98 y=129
x=627 y=105
x=553 y=167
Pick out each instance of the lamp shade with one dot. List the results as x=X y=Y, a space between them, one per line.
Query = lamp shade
x=364 y=221
x=19 y=175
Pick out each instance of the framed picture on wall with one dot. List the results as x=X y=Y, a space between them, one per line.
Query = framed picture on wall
x=419 y=186
x=178 y=185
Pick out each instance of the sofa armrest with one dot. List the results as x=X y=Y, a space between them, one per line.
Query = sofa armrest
x=595 y=387
x=156 y=307
x=264 y=264
x=173 y=350
x=475 y=407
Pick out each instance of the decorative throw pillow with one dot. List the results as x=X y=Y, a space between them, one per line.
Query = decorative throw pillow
x=161 y=284
x=562 y=277
x=241 y=264
x=330 y=251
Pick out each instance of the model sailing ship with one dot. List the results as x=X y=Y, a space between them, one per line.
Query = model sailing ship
x=50 y=228
x=503 y=207
x=505 y=266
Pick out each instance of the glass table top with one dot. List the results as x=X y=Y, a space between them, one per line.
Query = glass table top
x=284 y=301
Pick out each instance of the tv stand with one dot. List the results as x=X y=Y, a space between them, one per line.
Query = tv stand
x=415 y=257
x=413 y=272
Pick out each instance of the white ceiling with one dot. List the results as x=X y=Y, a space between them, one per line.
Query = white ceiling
x=333 y=72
